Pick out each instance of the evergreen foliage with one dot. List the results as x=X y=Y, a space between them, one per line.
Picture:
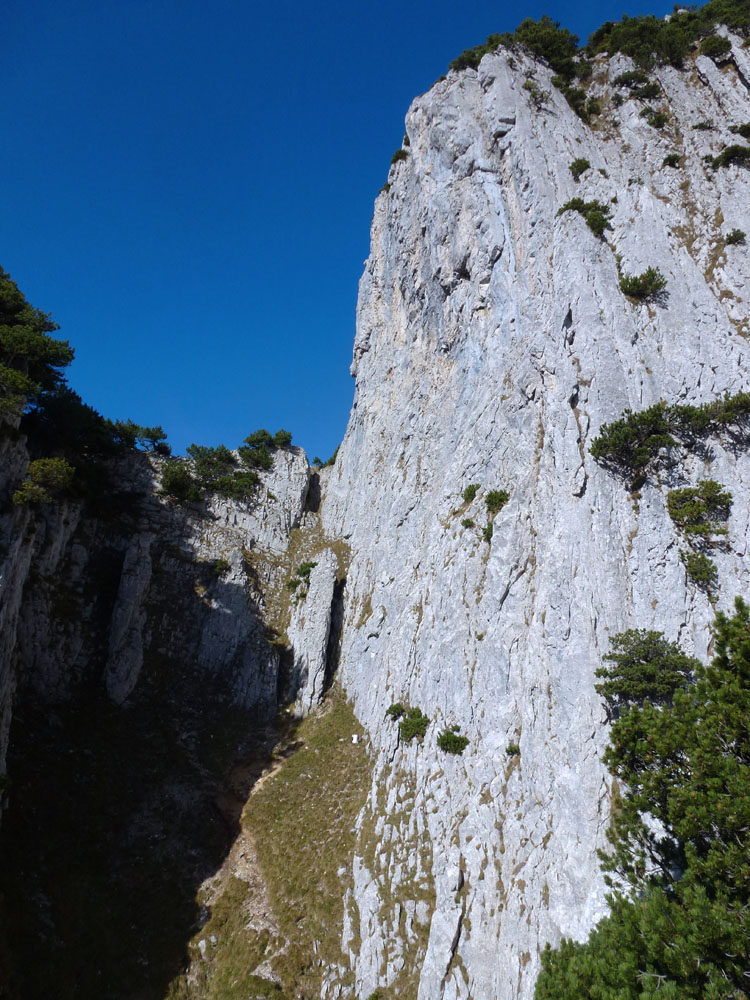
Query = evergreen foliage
x=734 y=237
x=496 y=500
x=643 y=286
x=178 y=483
x=645 y=666
x=651 y=40
x=715 y=47
x=735 y=153
x=470 y=492
x=697 y=510
x=413 y=723
x=395 y=711
x=679 y=920
x=701 y=569
x=595 y=213
x=31 y=362
x=743 y=130
x=46 y=479
x=578 y=167
x=656 y=119
x=450 y=741
x=638 y=442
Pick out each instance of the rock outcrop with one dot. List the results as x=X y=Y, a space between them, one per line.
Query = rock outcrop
x=492 y=342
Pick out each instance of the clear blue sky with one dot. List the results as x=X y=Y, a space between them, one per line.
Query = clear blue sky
x=188 y=189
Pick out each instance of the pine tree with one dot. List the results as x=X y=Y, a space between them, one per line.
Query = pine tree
x=679 y=868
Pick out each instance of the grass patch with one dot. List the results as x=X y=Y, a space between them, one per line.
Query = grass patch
x=302 y=821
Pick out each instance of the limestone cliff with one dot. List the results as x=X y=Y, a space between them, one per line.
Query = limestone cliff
x=492 y=342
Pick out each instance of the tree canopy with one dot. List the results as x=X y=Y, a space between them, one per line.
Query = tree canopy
x=30 y=360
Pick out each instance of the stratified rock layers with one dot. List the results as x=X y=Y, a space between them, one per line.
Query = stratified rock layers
x=492 y=342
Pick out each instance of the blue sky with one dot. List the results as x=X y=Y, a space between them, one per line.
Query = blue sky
x=188 y=190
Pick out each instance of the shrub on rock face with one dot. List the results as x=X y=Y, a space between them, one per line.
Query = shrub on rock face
x=578 y=167
x=735 y=237
x=735 y=153
x=595 y=213
x=496 y=500
x=451 y=742
x=470 y=492
x=715 y=47
x=643 y=286
x=413 y=723
x=697 y=510
x=46 y=479
x=645 y=666
x=395 y=711
x=177 y=482
x=700 y=569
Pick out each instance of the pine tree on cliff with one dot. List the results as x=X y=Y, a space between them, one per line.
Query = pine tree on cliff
x=679 y=921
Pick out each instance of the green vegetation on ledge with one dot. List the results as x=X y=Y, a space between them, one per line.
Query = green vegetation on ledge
x=638 y=442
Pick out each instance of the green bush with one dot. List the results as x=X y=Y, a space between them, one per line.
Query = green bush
x=734 y=237
x=400 y=154
x=645 y=667
x=633 y=79
x=177 y=482
x=643 y=286
x=496 y=500
x=513 y=750
x=715 y=47
x=46 y=479
x=538 y=96
x=467 y=523
x=452 y=742
x=282 y=439
x=487 y=531
x=470 y=492
x=743 y=130
x=732 y=154
x=594 y=212
x=395 y=711
x=656 y=119
x=413 y=723
x=697 y=510
x=647 y=92
x=703 y=126
x=221 y=567
x=634 y=442
x=700 y=569
x=304 y=568
x=578 y=167
x=671 y=160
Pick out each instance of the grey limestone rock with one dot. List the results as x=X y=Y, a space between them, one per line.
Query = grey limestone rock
x=492 y=343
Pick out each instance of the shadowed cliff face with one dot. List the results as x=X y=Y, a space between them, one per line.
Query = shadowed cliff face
x=144 y=686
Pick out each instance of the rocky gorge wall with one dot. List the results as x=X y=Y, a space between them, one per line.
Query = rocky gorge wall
x=493 y=341
x=143 y=661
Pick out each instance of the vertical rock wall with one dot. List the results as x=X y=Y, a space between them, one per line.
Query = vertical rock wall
x=492 y=343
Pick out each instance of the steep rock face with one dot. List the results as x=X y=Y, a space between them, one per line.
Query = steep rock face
x=492 y=342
